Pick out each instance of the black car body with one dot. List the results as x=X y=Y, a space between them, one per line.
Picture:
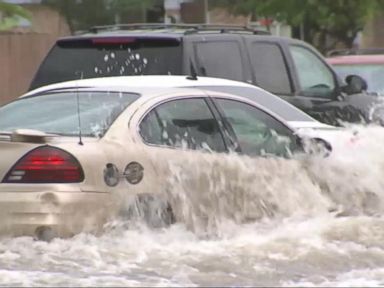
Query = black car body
x=287 y=67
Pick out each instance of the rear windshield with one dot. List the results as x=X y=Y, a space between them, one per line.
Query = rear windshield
x=61 y=112
x=115 y=56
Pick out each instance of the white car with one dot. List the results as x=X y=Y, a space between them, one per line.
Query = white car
x=302 y=123
x=67 y=150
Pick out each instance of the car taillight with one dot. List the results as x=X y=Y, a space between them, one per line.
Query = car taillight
x=46 y=164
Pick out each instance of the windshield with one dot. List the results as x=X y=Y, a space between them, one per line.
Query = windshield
x=373 y=74
x=59 y=113
x=278 y=106
x=103 y=57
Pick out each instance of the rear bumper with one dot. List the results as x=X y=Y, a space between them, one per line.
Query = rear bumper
x=65 y=213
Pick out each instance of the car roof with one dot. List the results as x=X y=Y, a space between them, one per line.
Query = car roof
x=356 y=59
x=174 y=31
x=165 y=81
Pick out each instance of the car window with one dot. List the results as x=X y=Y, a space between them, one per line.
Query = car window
x=185 y=123
x=104 y=57
x=220 y=59
x=257 y=132
x=59 y=112
x=269 y=67
x=316 y=79
x=273 y=103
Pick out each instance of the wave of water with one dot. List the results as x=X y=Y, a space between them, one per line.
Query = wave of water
x=307 y=221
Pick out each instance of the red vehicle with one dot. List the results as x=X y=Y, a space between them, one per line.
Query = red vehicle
x=362 y=63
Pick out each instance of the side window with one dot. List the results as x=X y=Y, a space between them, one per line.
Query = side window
x=220 y=59
x=269 y=67
x=257 y=132
x=186 y=123
x=316 y=79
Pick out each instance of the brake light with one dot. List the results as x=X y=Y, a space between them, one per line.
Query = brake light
x=46 y=164
x=113 y=40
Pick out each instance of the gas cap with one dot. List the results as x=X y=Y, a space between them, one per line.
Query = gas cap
x=134 y=172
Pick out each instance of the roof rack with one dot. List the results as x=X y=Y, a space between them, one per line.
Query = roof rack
x=189 y=28
x=365 y=51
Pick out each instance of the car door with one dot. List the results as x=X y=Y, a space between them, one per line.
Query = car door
x=256 y=132
x=175 y=132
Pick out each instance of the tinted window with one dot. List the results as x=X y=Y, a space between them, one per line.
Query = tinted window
x=58 y=113
x=273 y=103
x=315 y=78
x=220 y=59
x=186 y=123
x=102 y=57
x=257 y=132
x=270 y=70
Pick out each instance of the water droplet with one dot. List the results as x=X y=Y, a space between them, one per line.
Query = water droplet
x=137 y=56
x=106 y=57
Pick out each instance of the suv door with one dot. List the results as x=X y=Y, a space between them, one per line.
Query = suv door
x=221 y=56
x=300 y=76
x=319 y=92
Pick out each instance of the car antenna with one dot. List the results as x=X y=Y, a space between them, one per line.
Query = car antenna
x=78 y=108
x=193 y=75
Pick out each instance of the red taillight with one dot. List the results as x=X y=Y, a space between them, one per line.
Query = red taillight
x=46 y=165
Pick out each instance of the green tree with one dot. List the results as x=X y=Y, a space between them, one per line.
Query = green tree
x=10 y=15
x=320 y=20
x=83 y=14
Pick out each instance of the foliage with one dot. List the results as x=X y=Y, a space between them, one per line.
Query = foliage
x=320 y=20
x=82 y=14
x=10 y=15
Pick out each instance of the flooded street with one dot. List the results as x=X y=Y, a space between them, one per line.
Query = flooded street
x=242 y=222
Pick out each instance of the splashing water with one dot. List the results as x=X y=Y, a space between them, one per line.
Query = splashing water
x=242 y=221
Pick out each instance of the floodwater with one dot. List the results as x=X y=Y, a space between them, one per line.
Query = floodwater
x=308 y=221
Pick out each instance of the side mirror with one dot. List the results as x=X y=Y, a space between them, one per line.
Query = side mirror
x=355 y=84
x=317 y=146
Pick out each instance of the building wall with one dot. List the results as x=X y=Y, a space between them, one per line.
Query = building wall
x=373 y=33
x=23 y=48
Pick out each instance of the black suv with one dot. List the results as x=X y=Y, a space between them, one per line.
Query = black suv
x=289 y=68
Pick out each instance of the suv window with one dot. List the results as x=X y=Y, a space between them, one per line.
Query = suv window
x=114 y=56
x=269 y=67
x=316 y=79
x=257 y=132
x=220 y=59
x=186 y=123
